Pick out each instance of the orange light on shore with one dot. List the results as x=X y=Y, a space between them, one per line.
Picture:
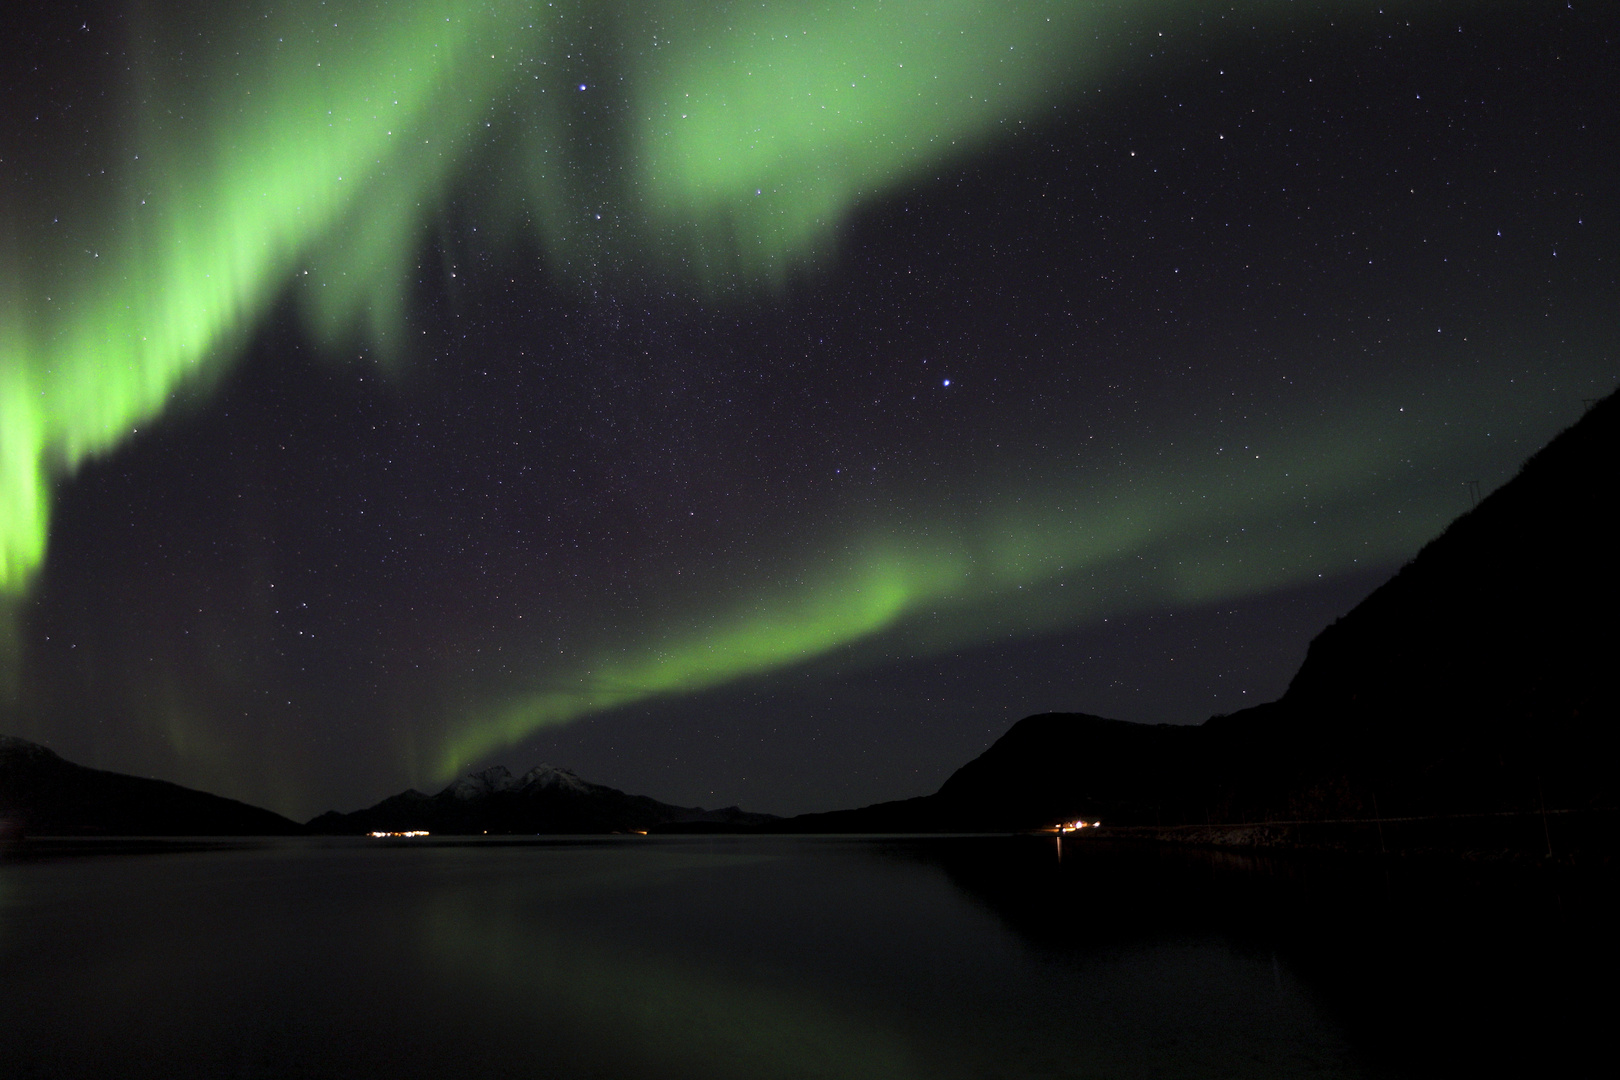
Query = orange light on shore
x=1075 y=826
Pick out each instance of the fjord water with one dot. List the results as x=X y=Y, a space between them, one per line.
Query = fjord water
x=791 y=957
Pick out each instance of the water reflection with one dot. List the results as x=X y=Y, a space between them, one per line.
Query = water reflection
x=580 y=960
x=1428 y=968
x=752 y=957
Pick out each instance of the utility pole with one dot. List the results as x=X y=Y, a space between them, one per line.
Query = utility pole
x=1473 y=490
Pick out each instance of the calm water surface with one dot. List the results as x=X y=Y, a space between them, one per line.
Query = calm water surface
x=800 y=957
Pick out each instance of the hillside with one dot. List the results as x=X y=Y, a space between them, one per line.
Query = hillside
x=43 y=795
x=543 y=800
x=1478 y=680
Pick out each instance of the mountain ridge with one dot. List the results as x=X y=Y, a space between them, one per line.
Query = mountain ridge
x=1470 y=683
x=43 y=793
x=546 y=799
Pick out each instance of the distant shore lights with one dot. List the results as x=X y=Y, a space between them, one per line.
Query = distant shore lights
x=413 y=832
x=1075 y=826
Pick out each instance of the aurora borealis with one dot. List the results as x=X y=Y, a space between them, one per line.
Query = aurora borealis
x=722 y=397
x=310 y=143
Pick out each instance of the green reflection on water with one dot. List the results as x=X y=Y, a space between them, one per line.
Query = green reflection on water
x=633 y=1015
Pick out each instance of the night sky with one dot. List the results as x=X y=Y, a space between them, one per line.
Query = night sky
x=760 y=403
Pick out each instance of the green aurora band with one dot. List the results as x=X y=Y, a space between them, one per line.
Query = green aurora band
x=1171 y=530
x=313 y=146
x=310 y=149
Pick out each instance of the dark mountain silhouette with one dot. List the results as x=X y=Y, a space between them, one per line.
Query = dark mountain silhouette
x=43 y=795
x=1049 y=768
x=543 y=800
x=1478 y=680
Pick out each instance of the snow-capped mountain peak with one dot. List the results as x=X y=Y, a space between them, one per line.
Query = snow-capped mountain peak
x=546 y=777
x=479 y=784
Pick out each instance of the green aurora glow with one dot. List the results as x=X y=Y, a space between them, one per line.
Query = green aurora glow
x=311 y=150
x=1168 y=531
x=312 y=146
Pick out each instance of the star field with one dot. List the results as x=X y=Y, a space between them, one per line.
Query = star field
x=766 y=405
